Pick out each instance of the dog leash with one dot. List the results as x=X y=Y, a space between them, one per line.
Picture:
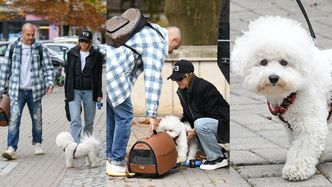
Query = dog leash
x=312 y=33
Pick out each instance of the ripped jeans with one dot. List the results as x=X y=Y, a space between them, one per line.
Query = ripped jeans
x=16 y=109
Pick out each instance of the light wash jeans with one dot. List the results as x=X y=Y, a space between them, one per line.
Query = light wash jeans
x=89 y=106
x=206 y=130
x=16 y=108
x=118 y=128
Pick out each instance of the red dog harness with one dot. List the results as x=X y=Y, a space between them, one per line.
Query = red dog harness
x=279 y=110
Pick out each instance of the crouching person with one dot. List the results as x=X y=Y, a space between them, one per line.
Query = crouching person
x=206 y=111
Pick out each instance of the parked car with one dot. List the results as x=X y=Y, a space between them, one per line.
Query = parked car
x=60 y=48
x=66 y=39
x=3 y=48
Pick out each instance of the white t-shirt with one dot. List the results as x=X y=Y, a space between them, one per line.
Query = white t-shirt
x=84 y=54
x=25 y=73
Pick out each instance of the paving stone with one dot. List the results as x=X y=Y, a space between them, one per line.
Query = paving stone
x=238 y=131
x=315 y=181
x=6 y=167
x=251 y=143
x=260 y=171
x=236 y=179
x=275 y=155
x=246 y=157
x=248 y=119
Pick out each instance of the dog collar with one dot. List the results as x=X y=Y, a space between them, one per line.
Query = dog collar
x=64 y=150
x=279 y=110
x=282 y=108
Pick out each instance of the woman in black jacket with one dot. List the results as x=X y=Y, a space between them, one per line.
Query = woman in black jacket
x=206 y=111
x=83 y=84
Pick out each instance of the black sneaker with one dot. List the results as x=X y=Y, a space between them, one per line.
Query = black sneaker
x=214 y=164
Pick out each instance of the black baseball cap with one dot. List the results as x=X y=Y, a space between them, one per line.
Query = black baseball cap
x=180 y=68
x=85 y=35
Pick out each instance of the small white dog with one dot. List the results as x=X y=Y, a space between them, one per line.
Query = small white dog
x=178 y=131
x=87 y=148
x=277 y=58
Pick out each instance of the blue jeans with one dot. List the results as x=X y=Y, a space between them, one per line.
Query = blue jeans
x=16 y=108
x=86 y=97
x=206 y=130
x=118 y=128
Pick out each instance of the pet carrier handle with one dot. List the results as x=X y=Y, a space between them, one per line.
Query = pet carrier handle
x=312 y=33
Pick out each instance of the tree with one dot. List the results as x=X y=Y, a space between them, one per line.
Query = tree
x=87 y=13
x=7 y=12
x=197 y=19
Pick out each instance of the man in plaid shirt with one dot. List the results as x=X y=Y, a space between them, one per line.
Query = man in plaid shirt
x=122 y=70
x=27 y=80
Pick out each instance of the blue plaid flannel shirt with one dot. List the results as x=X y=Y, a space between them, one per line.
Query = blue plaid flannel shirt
x=121 y=71
x=42 y=73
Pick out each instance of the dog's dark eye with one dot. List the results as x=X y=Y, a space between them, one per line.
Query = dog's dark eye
x=283 y=62
x=263 y=62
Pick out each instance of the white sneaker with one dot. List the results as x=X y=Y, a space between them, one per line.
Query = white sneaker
x=214 y=164
x=38 y=149
x=9 y=154
x=108 y=166
x=115 y=170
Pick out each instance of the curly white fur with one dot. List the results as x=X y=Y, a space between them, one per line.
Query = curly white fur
x=176 y=129
x=307 y=72
x=87 y=148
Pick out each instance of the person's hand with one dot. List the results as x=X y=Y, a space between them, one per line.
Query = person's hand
x=191 y=135
x=153 y=124
x=49 y=90
x=99 y=99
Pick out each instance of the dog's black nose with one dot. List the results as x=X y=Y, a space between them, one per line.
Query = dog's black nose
x=273 y=78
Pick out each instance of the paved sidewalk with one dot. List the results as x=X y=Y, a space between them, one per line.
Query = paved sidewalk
x=259 y=144
x=49 y=170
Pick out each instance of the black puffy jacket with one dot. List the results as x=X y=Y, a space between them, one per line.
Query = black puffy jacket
x=88 y=79
x=202 y=99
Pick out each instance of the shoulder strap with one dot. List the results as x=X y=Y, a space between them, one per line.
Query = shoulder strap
x=133 y=50
x=150 y=25
x=11 y=51
x=40 y=50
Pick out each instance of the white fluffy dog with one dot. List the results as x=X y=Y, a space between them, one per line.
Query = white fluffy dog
x=277 y=57
x=178 y=130
x=87 y=148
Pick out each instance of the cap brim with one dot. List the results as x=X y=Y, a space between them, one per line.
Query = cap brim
x=84 y=39
x=176 y=76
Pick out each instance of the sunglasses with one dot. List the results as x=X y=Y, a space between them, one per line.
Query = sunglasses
x=84 y=41
x=180 y=79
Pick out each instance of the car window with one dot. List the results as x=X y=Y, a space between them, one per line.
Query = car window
x=55 y=48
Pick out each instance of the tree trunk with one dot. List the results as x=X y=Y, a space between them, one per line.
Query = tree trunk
x=197 y=19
